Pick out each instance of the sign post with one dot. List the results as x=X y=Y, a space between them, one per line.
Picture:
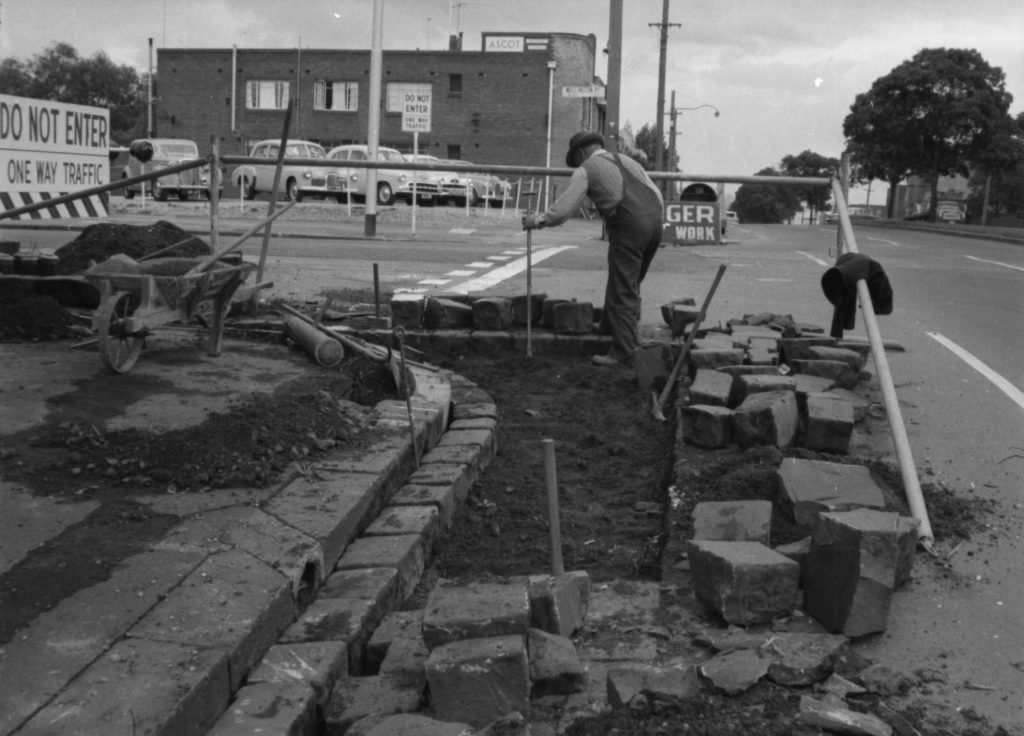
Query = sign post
x=416 y=107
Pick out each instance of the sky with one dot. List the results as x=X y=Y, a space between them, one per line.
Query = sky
x=781 y=73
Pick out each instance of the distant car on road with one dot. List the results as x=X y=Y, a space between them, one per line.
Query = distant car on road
x=485 y=187
x=392 y=184
x=297 y=181
x=167 y=152
x=732 y=217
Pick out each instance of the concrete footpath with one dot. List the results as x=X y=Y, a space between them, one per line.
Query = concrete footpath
x=173 y=636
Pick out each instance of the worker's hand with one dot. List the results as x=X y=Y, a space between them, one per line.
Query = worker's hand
x=532 y=222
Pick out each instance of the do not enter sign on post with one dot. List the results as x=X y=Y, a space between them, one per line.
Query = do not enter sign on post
x=416 y=112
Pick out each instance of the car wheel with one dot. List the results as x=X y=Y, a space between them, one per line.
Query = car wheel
x=249 y=188
x=129 y=193
x=292 y=191
x=160 y=194
x=385 y=194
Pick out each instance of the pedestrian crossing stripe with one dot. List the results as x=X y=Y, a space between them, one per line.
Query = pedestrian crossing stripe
x=94 y=205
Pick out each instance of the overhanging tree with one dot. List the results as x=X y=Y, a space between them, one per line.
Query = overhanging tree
x=766 y=203
x=808 y=163
x=931 y=115
x=61 y=75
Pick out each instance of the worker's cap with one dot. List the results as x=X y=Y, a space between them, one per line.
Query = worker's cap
x=580 y=141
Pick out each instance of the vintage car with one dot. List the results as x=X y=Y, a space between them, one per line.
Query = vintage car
x=392 y=184
x=485 y=187
x=147 y=155
x=297 y=181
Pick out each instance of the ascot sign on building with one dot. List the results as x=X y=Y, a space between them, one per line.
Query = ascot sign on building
x=48 y=149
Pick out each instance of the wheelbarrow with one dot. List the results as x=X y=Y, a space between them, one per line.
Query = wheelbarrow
x=138 y=297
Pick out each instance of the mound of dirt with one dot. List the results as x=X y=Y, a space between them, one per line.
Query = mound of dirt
x=97 y=243
x=34 y=319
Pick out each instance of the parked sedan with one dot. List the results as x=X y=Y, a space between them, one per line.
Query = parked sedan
x=146 y=155
x=485 y=187
x=297 y=181
x=392 y=184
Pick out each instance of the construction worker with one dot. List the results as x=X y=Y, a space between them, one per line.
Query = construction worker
x=631 y=206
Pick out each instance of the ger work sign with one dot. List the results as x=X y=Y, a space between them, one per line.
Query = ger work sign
x=416 y=112
x=52 y=148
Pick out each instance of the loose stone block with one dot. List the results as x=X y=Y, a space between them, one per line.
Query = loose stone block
x=714 y=357
x=744 y=582
x=573 y=318
x=555 y=667
x=455 y=612
x=666 y=309
x=547 y=316
x=733 y=521
x=857 y=560
x=761 y=356
x=837 y=719
x=492 y=313
x=769 y=418
x=409 y=724
x=745 y=386
x=625 y=682
x=829 y=423
x=558 y=604
x=445 y=314
x=736 y=671
x=711 y=388
x=852 y=358
x=405 y=656
x=356 y=698
x=799 y=348
x=858 y=403
x=810 y=487
x=798 y=659
x=519 y=304
x=707 y=426
x=748 y=370
x=407 y=310
x=810 y=385
x=477 y=681
x=837 y=370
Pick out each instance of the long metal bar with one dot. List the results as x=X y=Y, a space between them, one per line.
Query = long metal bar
x=908 y=470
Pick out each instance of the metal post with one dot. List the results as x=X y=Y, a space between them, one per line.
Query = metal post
x=529 y=292
x=612 y=91
x=551 y=483
x=214 y=190
x=373 y=117
x=551 y=97
x=149 y=100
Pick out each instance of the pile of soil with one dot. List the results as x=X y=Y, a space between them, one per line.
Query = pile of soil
x=96 y=243
x=34 y=318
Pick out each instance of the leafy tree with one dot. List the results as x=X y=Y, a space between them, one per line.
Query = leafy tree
x=997 y=179
x=766 y=203
x=808 y=163
x=647 y=141
x=61 y=75
x=931 y=115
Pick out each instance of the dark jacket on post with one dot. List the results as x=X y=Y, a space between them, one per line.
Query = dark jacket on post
x=840 y=286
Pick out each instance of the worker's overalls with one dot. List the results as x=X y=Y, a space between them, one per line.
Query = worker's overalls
x=634 y=235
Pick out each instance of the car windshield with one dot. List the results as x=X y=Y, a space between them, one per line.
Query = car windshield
x=174 y=149
x=387 y=155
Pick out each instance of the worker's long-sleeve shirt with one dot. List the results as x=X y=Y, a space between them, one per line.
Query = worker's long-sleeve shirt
x=604 y=187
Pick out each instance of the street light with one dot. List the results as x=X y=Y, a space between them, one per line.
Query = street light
x=673 y=112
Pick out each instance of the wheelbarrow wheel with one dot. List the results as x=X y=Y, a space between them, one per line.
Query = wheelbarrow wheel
x=119 y=345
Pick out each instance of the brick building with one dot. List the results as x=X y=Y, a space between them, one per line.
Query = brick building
x=488 y=106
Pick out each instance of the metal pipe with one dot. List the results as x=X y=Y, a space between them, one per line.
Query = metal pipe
x=908 y=470
x=373 y=118
x=551 y=482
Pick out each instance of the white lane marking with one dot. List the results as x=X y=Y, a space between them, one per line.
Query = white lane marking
x=882 y=240
x=434 y=282
x=813 y=258
x=507 y=271
x=479 y=264
x=1001 y=383
x=462 y=231
x=460 y=273
x=995 y=263
x=777 y=280
x=499 y=258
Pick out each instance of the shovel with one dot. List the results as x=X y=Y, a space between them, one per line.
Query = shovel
x=659 y=401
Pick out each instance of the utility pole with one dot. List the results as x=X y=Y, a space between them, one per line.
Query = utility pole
x=612 y=91
x=658 y=125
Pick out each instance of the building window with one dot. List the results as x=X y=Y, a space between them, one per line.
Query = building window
x=337 y=96
x=454 y=151
x=264 y=95
x=455 y=84
x=398 y=90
